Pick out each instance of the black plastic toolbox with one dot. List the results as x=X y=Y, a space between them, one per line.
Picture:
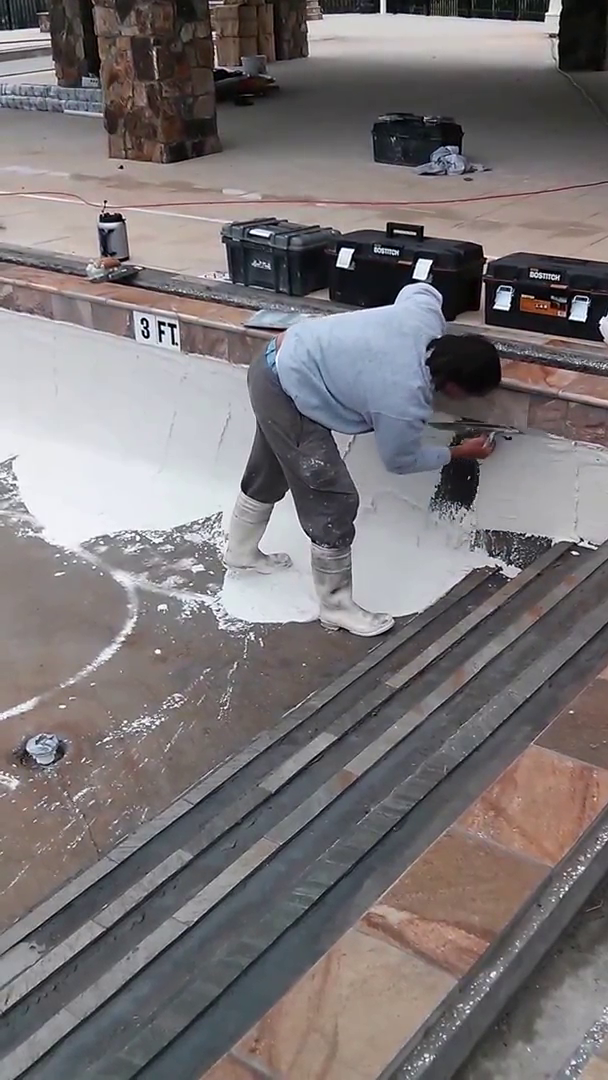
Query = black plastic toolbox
x=278 y=255
x=408 y=139
x=547 y=294
x=368 y=268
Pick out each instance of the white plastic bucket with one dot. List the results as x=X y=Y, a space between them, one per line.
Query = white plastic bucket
x=253 y=65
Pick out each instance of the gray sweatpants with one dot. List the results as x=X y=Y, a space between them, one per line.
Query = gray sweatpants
x=291 y=452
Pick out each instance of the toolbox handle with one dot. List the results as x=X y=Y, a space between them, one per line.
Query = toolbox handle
x=394 y=228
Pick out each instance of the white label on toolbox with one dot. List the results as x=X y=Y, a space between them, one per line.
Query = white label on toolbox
x=265 y=234
x=344 y=258
x=422 y=270
x=579 y=309
x=543 y=275
x=380 y=249
x=159 y=330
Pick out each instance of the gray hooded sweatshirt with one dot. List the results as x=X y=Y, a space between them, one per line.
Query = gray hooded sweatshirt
x=366 y=371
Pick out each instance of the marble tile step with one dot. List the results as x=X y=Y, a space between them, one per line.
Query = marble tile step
x=160 y=957
x=476 y=1002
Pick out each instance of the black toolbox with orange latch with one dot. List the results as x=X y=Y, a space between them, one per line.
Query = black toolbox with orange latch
x=369 y=267
x=547 y=294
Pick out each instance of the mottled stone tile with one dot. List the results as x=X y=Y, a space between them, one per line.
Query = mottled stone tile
x=32 y=301
x=533 y=377
x=596 y=1069
x=72 y=309
x=204 y=340
x=540 y=806
x=243 y=348
x=602 y=1051
x=548 y=414
x=233 y=1068
x=587 y=423
x=454 y=901
x=112 y=320
x=349 y=1015
x=592 y=388
x=560 y=379
x=7 y=296
x=581 y=730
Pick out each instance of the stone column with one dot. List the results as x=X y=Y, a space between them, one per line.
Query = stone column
x=67 y=42
x=290 y=29
x=552 y=17
x=583 y=35
x=314 y=12
x=157 y=79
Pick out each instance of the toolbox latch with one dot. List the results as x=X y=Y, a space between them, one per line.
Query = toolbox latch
x=503 y=301
x=344 y=258
x=579 y=309
x=422 y=269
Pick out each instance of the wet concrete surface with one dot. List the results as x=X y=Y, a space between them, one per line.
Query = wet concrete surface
x=540 y=1032
x=113 y=648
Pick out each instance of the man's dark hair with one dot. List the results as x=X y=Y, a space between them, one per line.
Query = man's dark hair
x=469 y=361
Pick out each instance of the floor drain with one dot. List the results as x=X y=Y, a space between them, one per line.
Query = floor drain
x=40 y=751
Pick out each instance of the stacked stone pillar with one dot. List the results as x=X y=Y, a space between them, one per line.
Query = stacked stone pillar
x=157 y=78
x=278 y=30
x=73 y=44
x=290 y=29
x=313 y=10
x=243 y=29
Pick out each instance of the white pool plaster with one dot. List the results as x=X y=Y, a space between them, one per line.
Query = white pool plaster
x=110 y=437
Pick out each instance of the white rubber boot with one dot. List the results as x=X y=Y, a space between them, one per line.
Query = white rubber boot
x=247 y=527
x=333 y=577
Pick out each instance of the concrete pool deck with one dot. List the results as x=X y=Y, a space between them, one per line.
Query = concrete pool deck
x=312 y=141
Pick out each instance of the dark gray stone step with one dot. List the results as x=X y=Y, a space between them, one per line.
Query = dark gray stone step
x=178 y=917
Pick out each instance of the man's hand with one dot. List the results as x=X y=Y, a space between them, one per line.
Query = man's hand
x=477 y=449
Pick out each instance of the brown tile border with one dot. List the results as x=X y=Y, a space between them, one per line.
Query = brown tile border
x=349 y=1015
x=596 y=1069
x=554 y=400
x=547 y=414
x=540 y=805
x=581 y=730
x=453 y=902
x=232 y=1068
x=602 y=1051
x=390 y=972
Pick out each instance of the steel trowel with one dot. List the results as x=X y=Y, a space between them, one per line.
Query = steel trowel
x=473 y=427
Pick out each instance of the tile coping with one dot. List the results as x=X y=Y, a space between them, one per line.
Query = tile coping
x=524 y=375
x=567 y=354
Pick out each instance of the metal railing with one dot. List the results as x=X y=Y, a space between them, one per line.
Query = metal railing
x=472 y=9
x=350 y=7
x=20 y=14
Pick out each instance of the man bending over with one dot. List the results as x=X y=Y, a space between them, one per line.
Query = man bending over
x=372 y=370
